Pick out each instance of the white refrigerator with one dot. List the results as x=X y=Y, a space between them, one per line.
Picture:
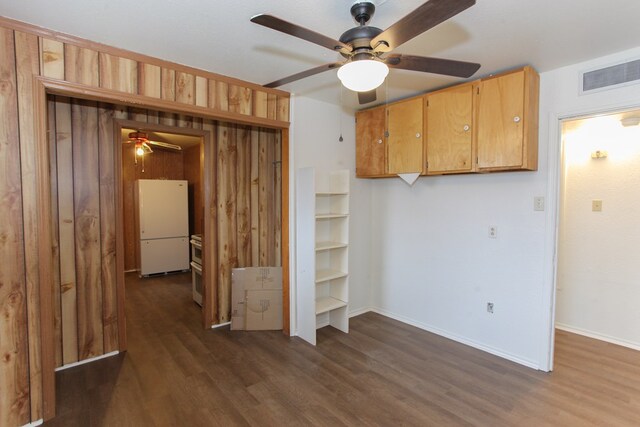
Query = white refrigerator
x=162 y=225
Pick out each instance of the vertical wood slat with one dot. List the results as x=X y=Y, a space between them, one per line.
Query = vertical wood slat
x=118 y=73
x=272 y=106
x=202 y=92
x=255 y=193
x=81 y=65
x=221 y=101
x=14 y=373
x=240 y=99
x=210 y=238
x=107 y=182
x=277 y=197
x=243 y=200
x=55 y=237
x=227 y=258
x=260 y=103
x=28 y=65
x=87 y=213
x=284 y=230
x=66 y=231
x=263 y=198
x=185 y=88
x=270 y=197
x=283 y=109
x=149 y=80
x=52 y=58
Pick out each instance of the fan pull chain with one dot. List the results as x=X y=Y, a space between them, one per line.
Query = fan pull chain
x=340 y=112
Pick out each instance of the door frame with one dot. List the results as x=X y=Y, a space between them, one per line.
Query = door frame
x=43 y=86
x=555 y=151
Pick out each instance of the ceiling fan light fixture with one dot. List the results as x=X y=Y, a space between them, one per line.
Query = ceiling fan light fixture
x=363 y=75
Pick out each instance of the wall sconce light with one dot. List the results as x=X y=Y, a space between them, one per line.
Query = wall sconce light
x=599 y=154
x=630 y=121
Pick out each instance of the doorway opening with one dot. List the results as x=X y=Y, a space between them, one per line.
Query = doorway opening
x=596 y=280
x=164 y=167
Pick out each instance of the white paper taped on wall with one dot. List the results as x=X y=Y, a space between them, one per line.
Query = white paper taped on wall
x=409 y=178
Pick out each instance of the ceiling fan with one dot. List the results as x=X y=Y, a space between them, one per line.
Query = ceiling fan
x=143 y=145
x=366 y=48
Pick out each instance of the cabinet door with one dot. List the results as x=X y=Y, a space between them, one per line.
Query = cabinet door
x=405 y=148
x=449 y=141
x=371 y=148
x=501 y=122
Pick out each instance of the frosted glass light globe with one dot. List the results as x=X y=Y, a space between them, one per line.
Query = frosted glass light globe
x=363 y=75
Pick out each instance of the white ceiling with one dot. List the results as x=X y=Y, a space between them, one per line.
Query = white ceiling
x=216 y=35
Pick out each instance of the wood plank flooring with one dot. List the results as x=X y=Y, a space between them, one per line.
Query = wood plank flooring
x=382 y=373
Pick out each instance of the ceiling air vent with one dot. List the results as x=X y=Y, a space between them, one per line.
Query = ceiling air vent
x=624 y=74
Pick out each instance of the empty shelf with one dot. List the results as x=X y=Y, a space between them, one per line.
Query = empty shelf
x=331 y=193
x=323 y=246
x=331 y=215
x=324 y=275
x=327 y=304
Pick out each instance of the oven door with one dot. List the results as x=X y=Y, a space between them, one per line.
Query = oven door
x=196 y=282
x=196 y=251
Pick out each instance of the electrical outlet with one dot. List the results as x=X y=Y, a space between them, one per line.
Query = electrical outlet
x=493 y=232
x=490 y=307
x=538 y=203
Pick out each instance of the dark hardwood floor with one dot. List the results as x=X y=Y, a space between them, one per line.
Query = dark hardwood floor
x=382 y=373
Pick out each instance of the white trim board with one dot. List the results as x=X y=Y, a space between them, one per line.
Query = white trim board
x=220 y=325
x=34 y=423
x=85 y=361
x=598 y=336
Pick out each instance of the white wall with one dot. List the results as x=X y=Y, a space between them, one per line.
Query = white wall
x=597 y=289
x=424 y=250
x=315 y=129
x=436 y=268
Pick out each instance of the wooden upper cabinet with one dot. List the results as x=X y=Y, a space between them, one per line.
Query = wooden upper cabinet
x=404 y=142
x=450 y=129
x=371 y=147
x=507 y=137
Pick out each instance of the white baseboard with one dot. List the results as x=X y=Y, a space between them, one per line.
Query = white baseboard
x=35 y=423
x=85 y=361
x=360 y=311
x=220 y=325
x=496 y=352
x=598 y=336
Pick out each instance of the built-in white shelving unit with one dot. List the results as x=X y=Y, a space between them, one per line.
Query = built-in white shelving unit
x=322 y=242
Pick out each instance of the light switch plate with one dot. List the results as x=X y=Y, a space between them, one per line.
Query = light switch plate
x=596 y=205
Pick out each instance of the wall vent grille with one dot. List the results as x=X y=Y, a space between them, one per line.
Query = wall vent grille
x=610 y=77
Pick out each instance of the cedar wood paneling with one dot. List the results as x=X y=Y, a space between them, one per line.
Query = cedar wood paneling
x=82 y=210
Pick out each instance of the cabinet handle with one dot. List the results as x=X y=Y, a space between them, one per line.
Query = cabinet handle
x=516 y=119
x=466 y=128
x=417 y=134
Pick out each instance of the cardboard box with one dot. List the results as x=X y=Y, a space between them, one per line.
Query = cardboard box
x=256 y=298
x=263 y=310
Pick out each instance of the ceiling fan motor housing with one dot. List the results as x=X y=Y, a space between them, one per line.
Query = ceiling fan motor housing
x=363 y=11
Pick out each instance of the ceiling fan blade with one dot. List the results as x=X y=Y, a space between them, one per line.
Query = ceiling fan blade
x=366 y=97
x=165 y=145
x=447 y=67
x=278 y=24
x=417 y=22
x=303 y=74
x=146 y=148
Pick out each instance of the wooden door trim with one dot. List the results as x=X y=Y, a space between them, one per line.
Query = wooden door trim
x=41 y=88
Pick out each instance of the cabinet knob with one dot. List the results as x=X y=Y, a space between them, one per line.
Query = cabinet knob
x=466 y=128
x=379 y=141
x=516 y=119
x=417 y=134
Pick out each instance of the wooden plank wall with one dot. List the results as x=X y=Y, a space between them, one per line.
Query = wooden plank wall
x=27 y=51
x=84 y=203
